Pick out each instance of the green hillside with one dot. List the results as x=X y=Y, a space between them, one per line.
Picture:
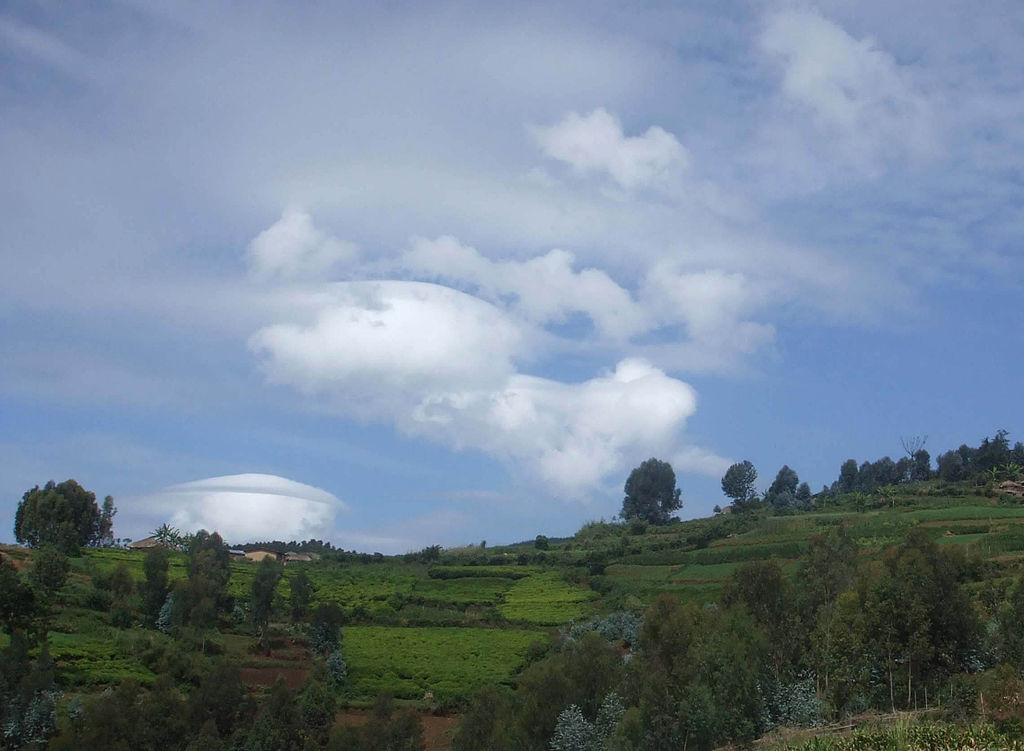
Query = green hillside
x=432 y=628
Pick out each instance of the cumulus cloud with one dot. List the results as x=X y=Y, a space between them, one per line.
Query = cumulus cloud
x=855 y=91
x=448 y=365
x=596 y=143
x=293 y=248
x=714 y=306
x=545 y=289
x=378 y=346
x=568 y=435
x=440 y=364
x=241 y=508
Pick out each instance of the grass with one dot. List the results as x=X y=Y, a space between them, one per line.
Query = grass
x=452 y=663
x=546 y=599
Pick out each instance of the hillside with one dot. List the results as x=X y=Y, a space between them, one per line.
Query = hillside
x=433 y=628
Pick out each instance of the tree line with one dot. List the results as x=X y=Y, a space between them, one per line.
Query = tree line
x=992 y=459
x=839 y=638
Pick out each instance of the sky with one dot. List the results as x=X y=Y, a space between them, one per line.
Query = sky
x=397 y=274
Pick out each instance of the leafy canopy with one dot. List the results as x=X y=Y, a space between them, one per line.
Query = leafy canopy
x=651 y=493
x=738 y=482
x=65 y=516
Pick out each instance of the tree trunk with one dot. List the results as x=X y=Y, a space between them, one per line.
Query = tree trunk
x=892 y=694
x=910 y=673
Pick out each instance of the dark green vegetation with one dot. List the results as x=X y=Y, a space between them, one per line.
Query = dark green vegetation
x=64 y=515
x=651 y=493
x=904 y=597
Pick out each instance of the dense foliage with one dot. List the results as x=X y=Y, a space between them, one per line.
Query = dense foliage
x=651 y=493
x=65 y=516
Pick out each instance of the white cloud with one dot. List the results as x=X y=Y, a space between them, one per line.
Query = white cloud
x=439 y=364
x=447 y=366
x=379 y=346
x=242 y=508
x=569 y=436
x=292 y=248
x=856 y=92
x=442 y=364
x=546 y=288
x=596 y=143
x=694 y=460
x=714 y=306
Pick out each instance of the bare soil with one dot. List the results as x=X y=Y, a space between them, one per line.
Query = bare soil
x=437 y=729
x=294 y=677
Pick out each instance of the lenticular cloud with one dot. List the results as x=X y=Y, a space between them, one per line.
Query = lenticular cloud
x=246 y=507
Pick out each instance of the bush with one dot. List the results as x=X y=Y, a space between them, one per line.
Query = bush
x=620 y=626
x=337 y=669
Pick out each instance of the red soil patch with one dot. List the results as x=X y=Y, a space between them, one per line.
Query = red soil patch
x=437 y=730
x=18 y=563
x=294 y=677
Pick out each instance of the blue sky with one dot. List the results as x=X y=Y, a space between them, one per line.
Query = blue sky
x=447 y=273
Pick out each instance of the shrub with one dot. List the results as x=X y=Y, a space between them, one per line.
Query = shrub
x=337 y=669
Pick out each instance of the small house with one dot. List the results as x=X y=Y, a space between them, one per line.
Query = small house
x=259 y=554
x=148 y=542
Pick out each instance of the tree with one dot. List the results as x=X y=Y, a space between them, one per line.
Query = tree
x=220 y=698
x=264 y=584
x=993 y=452
x=922 y=467
x=169 y=536
x=1017 y=454
x=827 y=570
x=64 y=515
x=541 y=542
x=782 y=492
x=198 y=599
x=951 y=466
x=154 y=587
x=318 y=706
x=848 y=476
x=207 y=739
x=301 y=594
x=651 y=493
x=278 y=726
x=804 y=501
x=696 y=676
x=17 y=600
x=325 y=628
x=763 y=590
x=49 y=570
x=1011 y=626
x=917 y=617
x=485 y=722
x=105 y=528
x=738 y=482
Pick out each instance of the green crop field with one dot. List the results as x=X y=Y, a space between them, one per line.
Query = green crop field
x=484 y=589
x=449 y=662
x=546 y=599
x=902 y=737
x=91 y=660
